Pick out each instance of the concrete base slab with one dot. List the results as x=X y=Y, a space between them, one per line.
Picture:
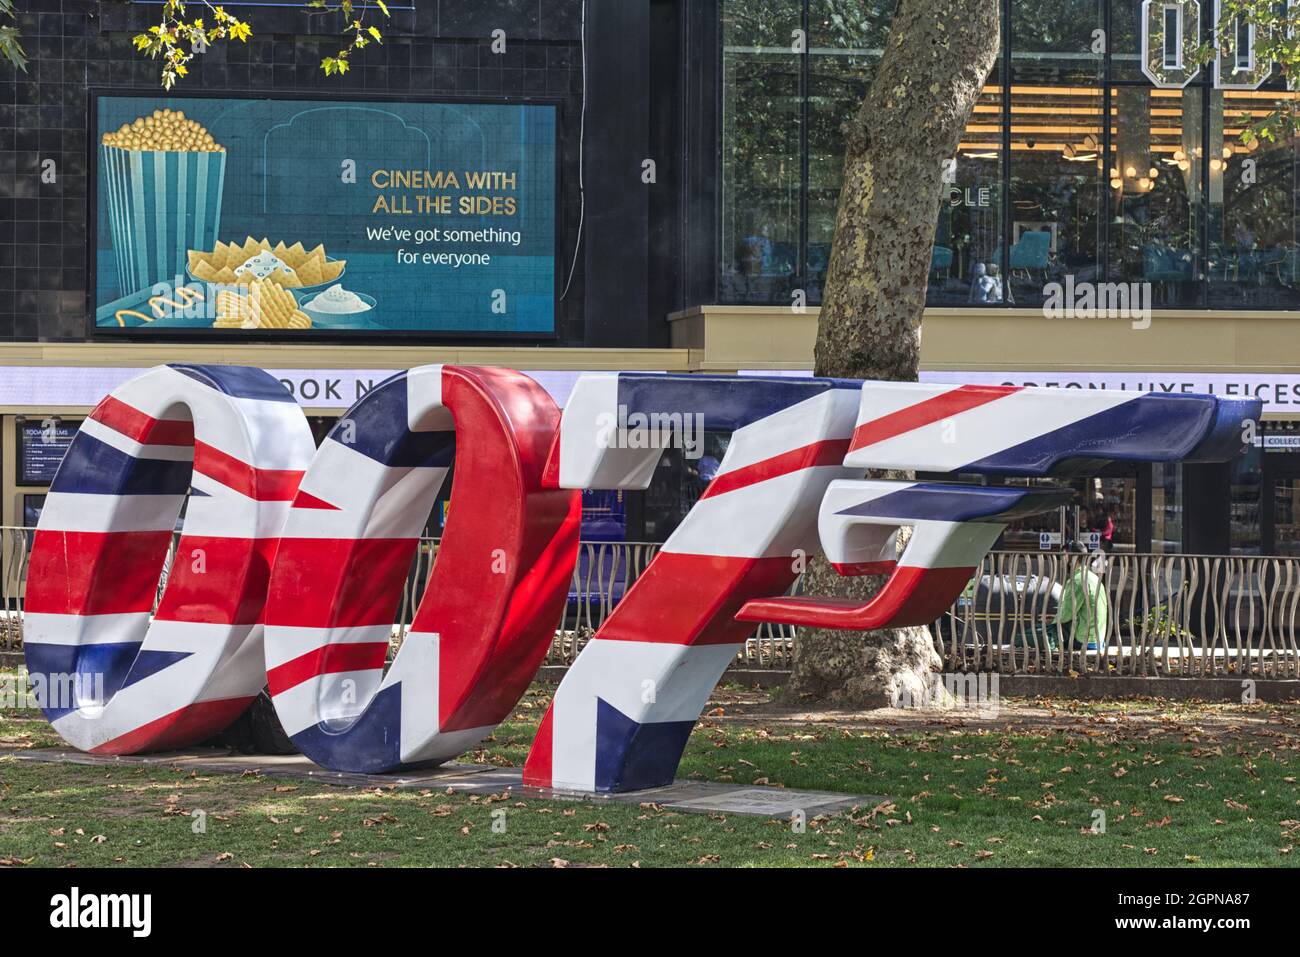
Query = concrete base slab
x=697 y=796
x=774 y=802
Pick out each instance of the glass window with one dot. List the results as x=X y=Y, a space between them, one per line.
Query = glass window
x=678 y=482
x=1286 y=514
x=844 y=45
x=1126 y=61
x=1107 y=506
x=1057 y=41
x=1101 y=177
x=966 y=263
x=1126 y=40
x=762 y=167
x=1244 y=504
x=1166 y=508
x=1056 y=167
x=1154 y=187
x=1254 y=261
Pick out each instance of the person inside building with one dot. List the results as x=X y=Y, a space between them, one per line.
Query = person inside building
x=986 y=285
x=1101 y=521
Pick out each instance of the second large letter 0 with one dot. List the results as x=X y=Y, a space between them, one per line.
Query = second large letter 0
x=493 y=600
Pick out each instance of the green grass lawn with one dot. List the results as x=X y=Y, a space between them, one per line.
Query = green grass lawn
x=959 y=796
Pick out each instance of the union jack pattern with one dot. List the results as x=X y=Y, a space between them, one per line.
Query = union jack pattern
x=109 y=679
x=490 y=606
x=989 y=430
x=1015 y=430
x=318 y=548
x=623 y=712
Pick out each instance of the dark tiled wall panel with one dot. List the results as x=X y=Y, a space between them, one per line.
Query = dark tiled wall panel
x=440 y=49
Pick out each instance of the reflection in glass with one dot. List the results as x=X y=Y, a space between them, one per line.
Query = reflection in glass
x=1126 y=41
x=1286 y=515
x=1107 y=507
x=1056 y=166
x=1057 y=41
x=761 y=151
x=1154 y=183
x=1166 y=508
x=844 y=45
x=966 y=263
x=1178 y=209
x=1254 y=260
x=1244 y=504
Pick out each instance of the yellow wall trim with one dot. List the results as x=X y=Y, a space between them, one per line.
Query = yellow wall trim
x=1010 y=340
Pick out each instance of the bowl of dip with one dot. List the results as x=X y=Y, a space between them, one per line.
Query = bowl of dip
x=338 y=307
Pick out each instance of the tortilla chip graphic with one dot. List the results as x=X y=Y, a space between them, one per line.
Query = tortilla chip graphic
x=282 y=278
x=295 y=255
x=301 y=267
x=310 y=273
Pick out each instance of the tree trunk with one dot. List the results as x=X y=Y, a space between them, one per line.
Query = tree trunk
x=910 y=124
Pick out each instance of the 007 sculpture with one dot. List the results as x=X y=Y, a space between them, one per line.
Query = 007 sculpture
x=291 y=560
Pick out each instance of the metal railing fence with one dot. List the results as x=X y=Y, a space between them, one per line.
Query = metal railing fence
x=1133 y=614
x=1023 y=612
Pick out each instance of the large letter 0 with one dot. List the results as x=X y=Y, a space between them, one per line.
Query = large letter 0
x=492 y=603
x=623 y=712
x=108 y=679
x=1171 y=32
x=1235 y=65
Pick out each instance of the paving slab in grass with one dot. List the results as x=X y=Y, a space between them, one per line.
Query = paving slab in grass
x=697 y=796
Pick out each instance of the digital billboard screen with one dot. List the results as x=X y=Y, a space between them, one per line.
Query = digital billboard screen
x=41 y=448
x=248 y=217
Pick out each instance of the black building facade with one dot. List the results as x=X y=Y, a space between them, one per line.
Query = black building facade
x=698 y=149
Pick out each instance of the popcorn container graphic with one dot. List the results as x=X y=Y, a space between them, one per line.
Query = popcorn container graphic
x=161 y=203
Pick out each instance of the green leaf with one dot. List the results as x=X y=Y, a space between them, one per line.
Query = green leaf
x=11 y=49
